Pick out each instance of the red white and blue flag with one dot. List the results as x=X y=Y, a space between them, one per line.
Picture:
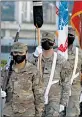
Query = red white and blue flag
x=62 y=27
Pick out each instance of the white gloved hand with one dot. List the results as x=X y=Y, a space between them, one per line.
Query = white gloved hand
x=81 y=97
x=69 y=92
x=38 y=51
x=61 y=108
x=3 y=93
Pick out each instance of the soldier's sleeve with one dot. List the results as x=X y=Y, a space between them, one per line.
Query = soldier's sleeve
x=65 y=74
x=80 y=61
x=80 y=54
x=2 y=72
x=6 y=87
x=38 y=90
x=32 y=59
x=3 y=76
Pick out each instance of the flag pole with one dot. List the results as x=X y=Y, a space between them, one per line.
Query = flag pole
x=38 y=21
x=81 y=31
x=39 y=58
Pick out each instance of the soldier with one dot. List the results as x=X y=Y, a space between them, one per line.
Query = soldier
x=56 y=80
x=75 y=59
x=25 y=86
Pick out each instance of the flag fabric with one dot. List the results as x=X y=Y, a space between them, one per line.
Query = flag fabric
x=76 y=19
x=57 y=14
x=63 y=28
x=57 y=18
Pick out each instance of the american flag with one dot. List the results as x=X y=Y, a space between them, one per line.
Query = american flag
x=62 y=27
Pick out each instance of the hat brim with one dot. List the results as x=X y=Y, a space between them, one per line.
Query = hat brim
x=18 y=50
x=46 y=39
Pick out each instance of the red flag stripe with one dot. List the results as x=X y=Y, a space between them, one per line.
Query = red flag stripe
x=75 y=19
x=57 y=10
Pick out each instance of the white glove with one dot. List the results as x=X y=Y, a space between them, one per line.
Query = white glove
x=70 y=92
x=3 y=100
x=61 y=108
x=81 y=97
x=3 y=93
x=38 y=51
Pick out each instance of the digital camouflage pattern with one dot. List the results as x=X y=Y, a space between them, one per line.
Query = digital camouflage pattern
x=48 y=36
x=19 y=47
x=59 y=92
x=73 y=105
x=25 y=93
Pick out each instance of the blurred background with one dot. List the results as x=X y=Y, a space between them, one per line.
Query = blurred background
x=12 y=13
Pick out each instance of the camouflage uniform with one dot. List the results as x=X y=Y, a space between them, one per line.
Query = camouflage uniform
x=73 y=105
x=59 y=92
x=25 y=93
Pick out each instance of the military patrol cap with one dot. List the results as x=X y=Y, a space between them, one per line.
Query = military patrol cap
x=71 y=33
x=71 y=30
x=19 y=47
x=48 y=36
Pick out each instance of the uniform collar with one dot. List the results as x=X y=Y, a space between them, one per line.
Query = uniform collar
x=21 y=70
x=47 y=59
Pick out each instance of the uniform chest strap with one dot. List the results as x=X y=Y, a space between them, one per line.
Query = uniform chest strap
x=75 y=67
x=51 y=78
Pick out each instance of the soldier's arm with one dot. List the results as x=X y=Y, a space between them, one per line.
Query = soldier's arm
x=4 y=74
x=32 y=59
x=5 y=84
x=80 y=54
x=2 y=77
x=80 y=61
x=65 y=74
x=38 y=94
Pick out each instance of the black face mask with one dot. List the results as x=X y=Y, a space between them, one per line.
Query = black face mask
x=19 y=59
x=71 y=39
x=47 y=45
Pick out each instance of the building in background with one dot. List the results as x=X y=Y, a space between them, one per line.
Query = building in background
x=14 y=11
x=7 y=11
x=27 y=8
x=49 y=12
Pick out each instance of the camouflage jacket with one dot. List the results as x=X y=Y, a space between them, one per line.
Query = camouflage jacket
x=25 y=93
x=71 y=58
x=59 y=92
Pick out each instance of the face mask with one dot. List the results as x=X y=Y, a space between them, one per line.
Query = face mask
x=19 y=59
x=46 y=45
x=71 y=39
